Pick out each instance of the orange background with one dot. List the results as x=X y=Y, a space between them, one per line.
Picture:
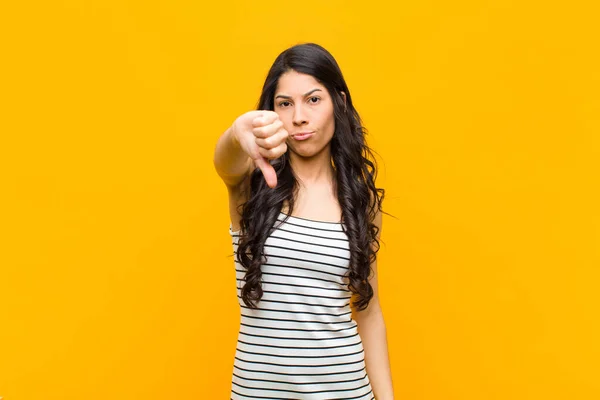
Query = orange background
x=115 y=275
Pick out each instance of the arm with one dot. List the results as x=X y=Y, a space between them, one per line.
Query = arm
x=234 y=166
x=372 y=330
x=231 y=162
x=254 y=138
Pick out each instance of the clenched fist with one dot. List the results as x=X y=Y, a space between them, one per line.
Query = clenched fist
x=261 y=135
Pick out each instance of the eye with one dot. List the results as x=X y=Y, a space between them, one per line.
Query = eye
x=315 y=98
x=284 y=103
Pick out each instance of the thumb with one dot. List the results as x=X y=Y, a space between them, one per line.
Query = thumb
x=268 y=171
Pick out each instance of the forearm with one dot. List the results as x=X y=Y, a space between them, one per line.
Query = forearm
x=372 y=330
x=230 y=161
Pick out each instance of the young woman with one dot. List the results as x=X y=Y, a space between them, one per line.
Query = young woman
x=305 y=223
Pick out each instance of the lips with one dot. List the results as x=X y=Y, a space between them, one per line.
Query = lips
x=302 y=135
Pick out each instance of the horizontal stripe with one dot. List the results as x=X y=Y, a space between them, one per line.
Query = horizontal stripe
x=288 y=239
x=296 y=329
x=305 y=260
x=279 y=266
x=301 y=340
x=313 y=235
x=301 y=365
x=298 y=312
x=293 y=277
x=299 y=374
x=301 y=392
x=303 y=348
x=280 y=398
x=296 y=321
x=272 y=246
x=298 y=302
x=296 y=383
x=295 y=338
x=308 y=226
x=310 y=295
x=304 y=286
x=287 y=356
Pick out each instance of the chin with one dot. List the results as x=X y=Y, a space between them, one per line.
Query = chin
x=308 y=151
x=304 y=153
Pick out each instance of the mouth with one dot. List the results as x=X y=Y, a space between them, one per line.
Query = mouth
x=302 y=135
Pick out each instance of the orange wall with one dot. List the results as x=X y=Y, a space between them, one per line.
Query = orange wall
x=115 y=280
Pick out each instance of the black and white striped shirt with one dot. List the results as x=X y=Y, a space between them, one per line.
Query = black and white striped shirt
x=301 y=343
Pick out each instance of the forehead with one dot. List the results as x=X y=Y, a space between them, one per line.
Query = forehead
x=295 y=83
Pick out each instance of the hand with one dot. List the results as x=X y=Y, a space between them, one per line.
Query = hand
x=262 y=137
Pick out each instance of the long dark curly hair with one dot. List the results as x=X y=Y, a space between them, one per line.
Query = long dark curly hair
x=355 y=170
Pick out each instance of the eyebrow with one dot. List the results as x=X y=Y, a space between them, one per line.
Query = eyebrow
x=289 y=97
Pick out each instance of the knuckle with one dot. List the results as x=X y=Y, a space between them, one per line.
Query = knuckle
x=274 y=153
x=270 y=142
x=267 y=153
x=264 y=143
x=271 y=117
x=258 y=132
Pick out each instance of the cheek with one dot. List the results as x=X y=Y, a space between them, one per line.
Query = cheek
x=328 y=121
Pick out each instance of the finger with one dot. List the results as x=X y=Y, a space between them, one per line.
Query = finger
x=267 y=130
x=272 y=141
x=268 y=171
x=273 y=153
x=266 y=118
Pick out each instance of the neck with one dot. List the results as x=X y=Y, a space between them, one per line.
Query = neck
x=315 y=169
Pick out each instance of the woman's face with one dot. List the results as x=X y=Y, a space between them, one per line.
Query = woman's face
x=306 y=110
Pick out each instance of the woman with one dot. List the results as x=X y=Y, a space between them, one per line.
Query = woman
x=305 y=222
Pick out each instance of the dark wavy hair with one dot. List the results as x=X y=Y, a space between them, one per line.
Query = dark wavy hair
x=355 y=170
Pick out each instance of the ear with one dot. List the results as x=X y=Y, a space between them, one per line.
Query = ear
x=344 y=97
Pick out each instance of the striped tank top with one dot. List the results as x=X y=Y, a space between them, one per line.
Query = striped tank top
x=301 y=342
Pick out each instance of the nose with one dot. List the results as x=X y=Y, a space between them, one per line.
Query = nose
x=299 y=117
